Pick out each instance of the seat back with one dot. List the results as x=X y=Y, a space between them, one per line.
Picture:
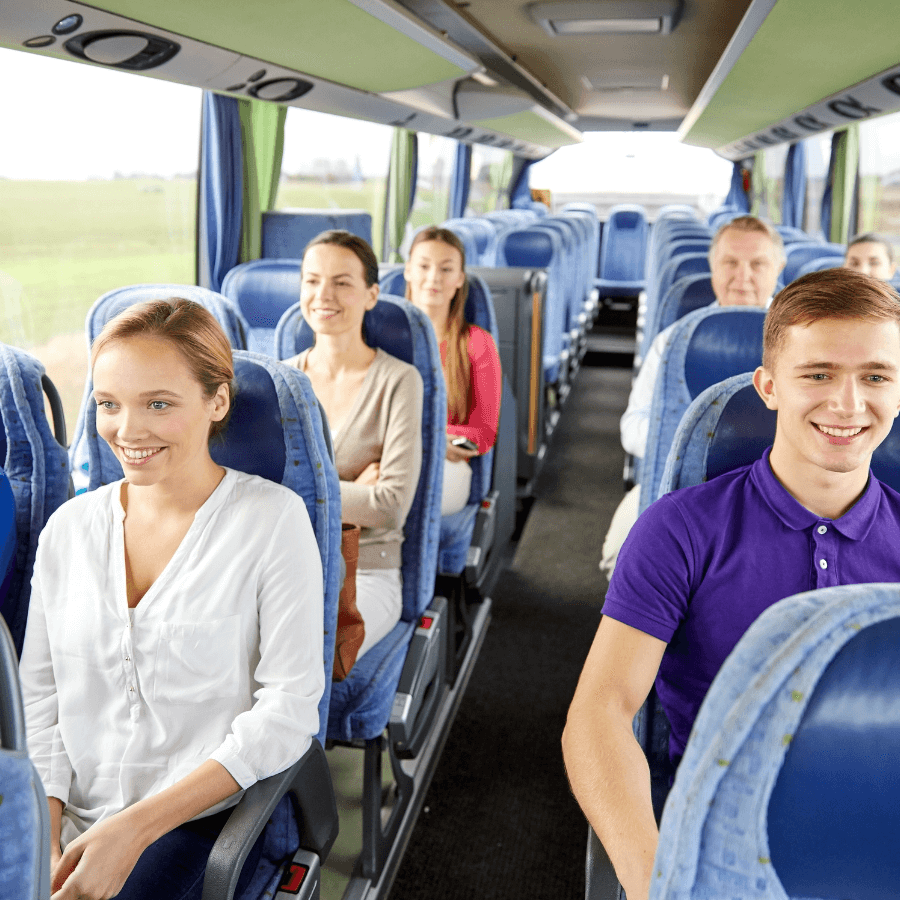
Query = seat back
x=800 y=253
x=24 y=816
x=110 y=305
x=37 y=467
x=820 y=263
x=788 y=782
x=397 y=327
x=624 y=246
x=705 y=347
x=539 y=248
x=262 y=290
x=285 y=233
x=276 y=431
x=674 y=268
x=687 y=294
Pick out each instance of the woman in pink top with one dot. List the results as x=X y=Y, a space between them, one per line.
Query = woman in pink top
x=436 y=283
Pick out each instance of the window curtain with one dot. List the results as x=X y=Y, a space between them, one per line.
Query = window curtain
x=737 y=197
x=401 y=190
x=758 y=187
x=220 y=188
x=793 y=202
x=262 y=136
x=843 y=180
x=240 y=164
x=459 y=185
x=519 y=187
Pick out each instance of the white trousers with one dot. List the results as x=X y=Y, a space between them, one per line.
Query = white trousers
x=623 y=518
x=457 y=484
x=379 y=599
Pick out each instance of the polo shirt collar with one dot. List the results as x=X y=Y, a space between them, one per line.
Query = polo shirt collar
x=854 y=524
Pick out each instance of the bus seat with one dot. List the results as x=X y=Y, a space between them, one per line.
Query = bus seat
x=821 y=263
x=400 y=682
x=685 y=295
x=591 y=225
x=787 y=786
x=537 y=248
x=262 y=290
x=799 y=254
x=8 y=536
x=677 y=211
x=790 y=234
x=479 y=240
x=285 y=233
x=723 y=217
x=705 y=347
x=24 y=816
x=37 y=469
x=276 y=431
x=576 y=288
x=623 y=252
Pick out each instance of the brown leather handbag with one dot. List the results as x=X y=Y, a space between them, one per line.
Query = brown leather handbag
x=351 y=630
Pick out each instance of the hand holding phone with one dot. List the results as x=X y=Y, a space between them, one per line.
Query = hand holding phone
x=464 y=443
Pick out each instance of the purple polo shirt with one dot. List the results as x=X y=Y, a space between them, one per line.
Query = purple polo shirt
x=703 y=562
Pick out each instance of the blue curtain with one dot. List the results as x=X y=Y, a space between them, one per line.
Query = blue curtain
x=737 y=198
x=519 y=188
x=221 y=184
x=793 y=203
x=827 y=193
x=415 y=175
x=459 y=184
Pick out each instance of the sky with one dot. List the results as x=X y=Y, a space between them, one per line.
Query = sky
x=73 y=122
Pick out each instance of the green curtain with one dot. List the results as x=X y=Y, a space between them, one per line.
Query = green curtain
x=843 y=194
x=758 y=185
x=500 y=174
x=262 y=137
x=400 y=188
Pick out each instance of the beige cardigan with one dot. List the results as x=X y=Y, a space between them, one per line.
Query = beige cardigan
x=384 y=424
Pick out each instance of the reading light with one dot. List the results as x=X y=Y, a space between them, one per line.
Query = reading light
x=580 y=17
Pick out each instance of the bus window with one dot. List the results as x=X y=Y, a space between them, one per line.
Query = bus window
x=879 y=163
x=770 y=182
x=98 y=190
x=653 y=169
x=491 y=174
x=818 y=153
x=331 y=162
x=435 y=169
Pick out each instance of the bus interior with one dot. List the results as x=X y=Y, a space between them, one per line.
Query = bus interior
x=197 y=147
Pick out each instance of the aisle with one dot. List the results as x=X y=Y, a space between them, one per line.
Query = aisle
x=499 y=820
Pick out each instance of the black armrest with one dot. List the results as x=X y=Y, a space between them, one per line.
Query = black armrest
x=309 y=780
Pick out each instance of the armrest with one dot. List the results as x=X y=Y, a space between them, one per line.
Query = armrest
x=309 y=780
x=421 y=682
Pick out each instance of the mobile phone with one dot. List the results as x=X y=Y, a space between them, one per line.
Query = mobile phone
x=464 y=442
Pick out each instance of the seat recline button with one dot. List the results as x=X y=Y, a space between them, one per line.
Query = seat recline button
x=111 y=51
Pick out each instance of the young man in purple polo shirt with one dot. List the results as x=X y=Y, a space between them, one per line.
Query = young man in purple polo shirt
x=702 y=563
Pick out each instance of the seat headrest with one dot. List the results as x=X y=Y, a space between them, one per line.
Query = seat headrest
x=263 y=289
x=529 y=248
x=833 y=811
x=722 y=345
x=253 y=439
x=745 y=428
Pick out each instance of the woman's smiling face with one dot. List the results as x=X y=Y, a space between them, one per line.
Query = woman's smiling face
x=334 y=295
x=153 y=412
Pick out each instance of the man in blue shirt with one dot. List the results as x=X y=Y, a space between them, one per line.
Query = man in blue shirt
x=702 y=563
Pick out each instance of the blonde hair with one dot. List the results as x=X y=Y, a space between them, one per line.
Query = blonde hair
x=191 y=329
x=457 y=366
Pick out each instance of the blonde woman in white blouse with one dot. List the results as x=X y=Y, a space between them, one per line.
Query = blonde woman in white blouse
x=173 y=654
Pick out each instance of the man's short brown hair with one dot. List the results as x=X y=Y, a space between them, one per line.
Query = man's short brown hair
x=829 y=294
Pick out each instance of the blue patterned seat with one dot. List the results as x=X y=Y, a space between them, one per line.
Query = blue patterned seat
x=110 y=305
x=276 y=431
x=24 y=816
x=37 y=469
x=623 y=252
x=363 y=704
x=788 y=783
x=799 y=254
x=704 y=347
x=456 y=530
x=262 y=290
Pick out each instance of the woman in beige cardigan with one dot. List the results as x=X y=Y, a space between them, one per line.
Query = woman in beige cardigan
x=374 y=406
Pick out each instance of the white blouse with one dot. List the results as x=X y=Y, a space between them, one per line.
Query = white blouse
x=221 y=659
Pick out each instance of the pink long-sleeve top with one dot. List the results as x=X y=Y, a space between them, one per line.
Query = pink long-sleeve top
x=487 y=386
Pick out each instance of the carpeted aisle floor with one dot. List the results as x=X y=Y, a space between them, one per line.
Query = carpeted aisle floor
x=499 y=820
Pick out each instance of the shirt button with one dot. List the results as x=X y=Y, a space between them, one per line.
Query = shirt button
x=131 y=688
x=821 y=529
x=383 y=554
x=823 y=564
x=127 y=659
